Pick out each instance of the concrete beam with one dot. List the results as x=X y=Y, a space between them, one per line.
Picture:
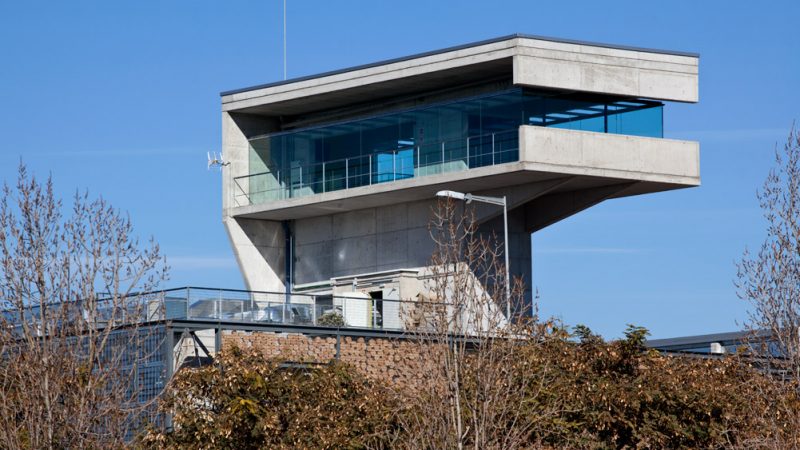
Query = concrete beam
x=531 y=61
x=610 y=71
x=552 y=208
x=612 y=156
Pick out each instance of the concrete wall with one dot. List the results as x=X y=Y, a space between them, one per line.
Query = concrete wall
x=536 y=62
x=613 y=156
x=362 y=241
x=258 y=245
x=386 y=239
x=613 y=71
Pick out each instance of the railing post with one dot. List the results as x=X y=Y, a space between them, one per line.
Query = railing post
x=370 y=168
x=442 y=156
x=219 y=304
x=394 y=166
x=281 y=189
x=188 y=295
x=323 y=176
x=492 y=148
x=419 y=161
x=468 y=152
x=314 y=310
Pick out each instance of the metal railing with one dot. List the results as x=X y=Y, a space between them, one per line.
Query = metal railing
x=230 y=305
x=392 y=165
x=279 y=308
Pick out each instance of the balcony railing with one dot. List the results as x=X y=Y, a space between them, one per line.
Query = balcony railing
x=281 y=309
x=228 y=305
x=223 y=307
x=398 y=164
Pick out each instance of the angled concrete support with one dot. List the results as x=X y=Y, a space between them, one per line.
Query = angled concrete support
x=552 y=208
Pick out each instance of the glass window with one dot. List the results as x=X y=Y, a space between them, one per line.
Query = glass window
x=445 y=137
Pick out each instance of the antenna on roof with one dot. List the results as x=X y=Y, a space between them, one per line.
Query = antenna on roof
x=284 y=39
x=215 y=160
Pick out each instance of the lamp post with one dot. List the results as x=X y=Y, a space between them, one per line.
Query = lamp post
x=500 y=201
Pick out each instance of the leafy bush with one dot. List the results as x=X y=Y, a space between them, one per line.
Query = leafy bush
x=579 y=392
x=583 y=392
x=331 y=319
x=622 y=395
x=244 y=401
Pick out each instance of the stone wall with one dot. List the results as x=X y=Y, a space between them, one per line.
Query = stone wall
x=392 y=361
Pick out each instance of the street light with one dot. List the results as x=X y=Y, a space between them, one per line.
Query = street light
x=500 y=201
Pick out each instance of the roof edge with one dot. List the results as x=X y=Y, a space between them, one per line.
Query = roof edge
x=455 y=48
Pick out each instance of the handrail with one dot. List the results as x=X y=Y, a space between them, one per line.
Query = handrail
x=268 y=307
x=361 y=177
x=465 y=139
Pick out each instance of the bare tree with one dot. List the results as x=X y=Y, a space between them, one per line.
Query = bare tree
x=470 y=390
x=71 y=346
x=770 y=281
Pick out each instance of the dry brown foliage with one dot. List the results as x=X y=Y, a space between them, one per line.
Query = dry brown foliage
x=244 y=401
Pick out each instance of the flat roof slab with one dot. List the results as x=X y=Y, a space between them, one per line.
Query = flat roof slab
x=529 y=60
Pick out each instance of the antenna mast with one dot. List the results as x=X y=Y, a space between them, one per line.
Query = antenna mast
x=284 y=39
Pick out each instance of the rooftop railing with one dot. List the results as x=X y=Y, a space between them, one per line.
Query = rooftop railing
x=230 y=305
x=410 y=161
x=285 y=309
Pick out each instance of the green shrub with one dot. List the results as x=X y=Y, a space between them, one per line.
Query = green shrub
x=331 y=319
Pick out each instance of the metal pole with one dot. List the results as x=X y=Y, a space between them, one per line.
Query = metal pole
x=508 y=275
x=323 y=176
x=217 y=340
x=394 y=166
x=284 y=39
x=468 y=153
x=493 y=149
x=314 y=310
x=346 y=173
x=370 y=169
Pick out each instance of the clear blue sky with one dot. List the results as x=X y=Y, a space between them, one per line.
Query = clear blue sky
x=123 y=100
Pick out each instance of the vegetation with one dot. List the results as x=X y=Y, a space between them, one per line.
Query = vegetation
x=575 y=394
x=621 y=395
x=70 y=343
x=331 y=319
x=769 y=280
x=525 y=384
x=243 y=401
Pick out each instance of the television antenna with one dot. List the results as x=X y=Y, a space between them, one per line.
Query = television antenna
x=215 y=160
x=284 y=39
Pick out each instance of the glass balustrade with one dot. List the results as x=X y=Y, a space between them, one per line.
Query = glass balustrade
x=439 y=138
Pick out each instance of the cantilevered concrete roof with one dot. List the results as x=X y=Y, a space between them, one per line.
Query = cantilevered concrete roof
x=526 y=60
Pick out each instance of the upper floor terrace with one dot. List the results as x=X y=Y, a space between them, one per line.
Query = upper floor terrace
x=451 y=136
x=509 y=111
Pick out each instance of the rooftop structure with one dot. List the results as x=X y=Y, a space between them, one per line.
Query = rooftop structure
x=332 y=177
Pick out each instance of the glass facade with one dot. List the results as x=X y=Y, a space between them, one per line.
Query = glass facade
x=438 y=138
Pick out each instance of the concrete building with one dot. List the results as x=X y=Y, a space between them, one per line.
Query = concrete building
x=332 y=176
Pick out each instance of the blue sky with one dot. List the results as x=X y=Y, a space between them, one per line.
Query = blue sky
x=123 y=100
